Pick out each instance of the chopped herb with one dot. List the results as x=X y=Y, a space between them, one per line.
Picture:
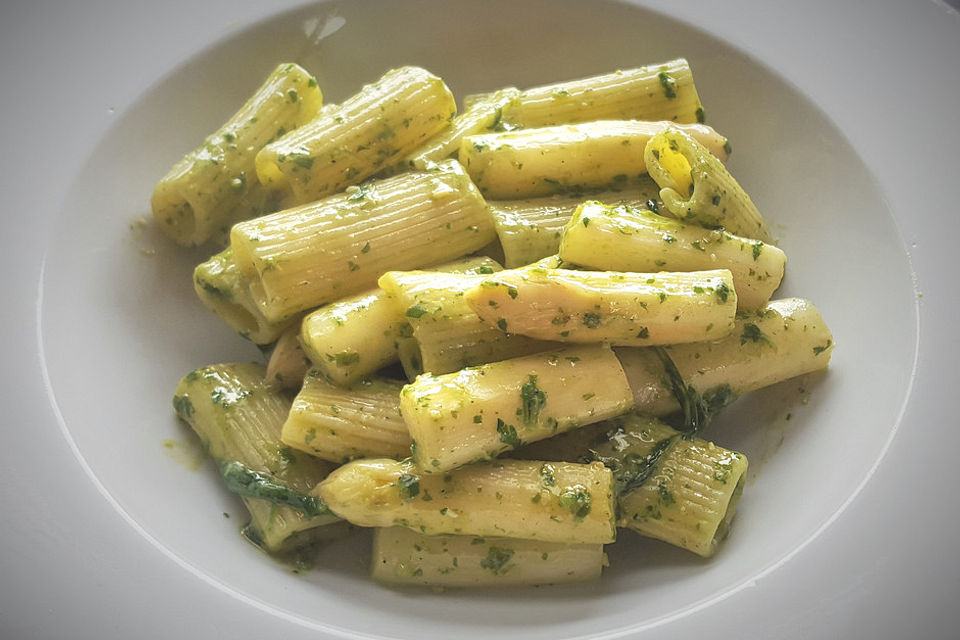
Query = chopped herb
x=366 y=248
x=577 y=500
x=416 y=311
x=698 y=410
x=502 y=324
x=757 y=248
x=532 y=401
x=302 y=160
x=722 y=291
x=752 y=333
x=409 y=486
x=591 y=320
x=255 y=484
x=184 y=408
x=818 y=350
x=669 y=85
x=497 y=559
x=508 y=434
x=701 y=115
x=548 y=476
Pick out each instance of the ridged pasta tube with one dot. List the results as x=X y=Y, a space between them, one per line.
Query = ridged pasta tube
x=405 y=557
x=216 y=184
x=784 y=339
x=480 y=412
x=482 y=116
x=682 y=490
x=561 y=502
x=696 y=187
x=620 y=308
x=370 y=131
x=591 y=155
x=238 y=418
x=343 y=424
x=531 y=229
x=627 y=238
x=310 y=255
x=654 y=92
x=358 y=335
x=224 y=291
x=446 y=334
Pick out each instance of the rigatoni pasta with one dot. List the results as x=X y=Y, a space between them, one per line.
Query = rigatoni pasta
x=619 y=308
x=216 y=184
x=310 y=255
x=663 y=91
x=405 y=557
x=578 y=157
x=478 y=413
x=370 y=131
x=561 y=502
x=628 y=238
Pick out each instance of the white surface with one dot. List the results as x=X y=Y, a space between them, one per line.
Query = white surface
x=107 y=537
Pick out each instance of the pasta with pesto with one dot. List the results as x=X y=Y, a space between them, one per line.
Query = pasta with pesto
x=495 y=427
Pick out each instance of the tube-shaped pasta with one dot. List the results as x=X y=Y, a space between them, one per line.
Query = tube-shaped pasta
x=784 y=339
x=238 y=418
x=480 y=412
x=696 y=187
x=679 y=489
x=360 y=334
x=577 y=157
x=317 y=253
x=626 y=238
x=556 y=502
x=372 y=130
x=288 y=363
x=531 y=229
x=216 y=184
x=620 y=308
x=342 y=424
x=654 y=92
x=446 y=334
x=482 y=116
x=224 y=291
x=405 y=557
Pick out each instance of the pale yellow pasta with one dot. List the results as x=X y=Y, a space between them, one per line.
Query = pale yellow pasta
x=370 y=131
x=577 y=157
x=216 y=184
x=313 y=254
x=626 y=238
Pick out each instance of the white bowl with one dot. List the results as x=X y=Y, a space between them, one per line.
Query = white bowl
x=119 y=324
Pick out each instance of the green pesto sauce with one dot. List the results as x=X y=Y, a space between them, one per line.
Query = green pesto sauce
x=532 y=401
x=577 y=500
x=508 y=434
x=497 y=559
x=408 y=486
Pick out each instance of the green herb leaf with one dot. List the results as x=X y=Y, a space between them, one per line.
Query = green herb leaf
x=246 y=482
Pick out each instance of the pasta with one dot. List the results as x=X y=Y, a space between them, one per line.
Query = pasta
x=215 y=185
x=496 y=427
x=590 y=155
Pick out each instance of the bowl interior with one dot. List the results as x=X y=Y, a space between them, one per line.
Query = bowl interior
x=120 y=322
